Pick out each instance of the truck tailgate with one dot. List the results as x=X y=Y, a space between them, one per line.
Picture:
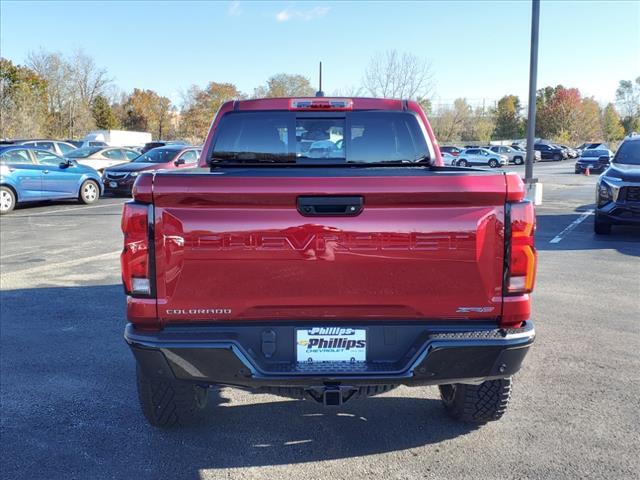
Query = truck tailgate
x=231 y=247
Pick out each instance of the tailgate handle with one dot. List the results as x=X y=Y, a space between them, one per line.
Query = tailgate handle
x=330 y=205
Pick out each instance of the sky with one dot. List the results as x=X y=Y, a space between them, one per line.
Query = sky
x=476 y=49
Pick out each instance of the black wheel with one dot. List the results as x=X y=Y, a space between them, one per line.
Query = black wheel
x=493 y=163
x=462 y=163
x=170 y=403
x=477 y=403
x=518 y=160
x=7 y=200
x=601 y=227
x=89 y=192
x=557 y=157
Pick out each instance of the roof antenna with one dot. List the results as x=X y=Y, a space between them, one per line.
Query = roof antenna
x=320 y=93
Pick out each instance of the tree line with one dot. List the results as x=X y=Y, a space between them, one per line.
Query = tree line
x=563 y=115
x=58 y=96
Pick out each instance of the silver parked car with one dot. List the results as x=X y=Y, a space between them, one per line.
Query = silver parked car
x=448 y=159
x=54 y=146
x=514 y=156
x=100 y=158
x=481 y=156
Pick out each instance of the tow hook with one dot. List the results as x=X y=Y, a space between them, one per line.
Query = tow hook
x=332 y=395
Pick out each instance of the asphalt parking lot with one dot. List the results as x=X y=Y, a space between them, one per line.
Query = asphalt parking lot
x=69 y=406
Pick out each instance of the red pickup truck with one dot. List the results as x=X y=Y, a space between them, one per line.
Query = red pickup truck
x=322 y=251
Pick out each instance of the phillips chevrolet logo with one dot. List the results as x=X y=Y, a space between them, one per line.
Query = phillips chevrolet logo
x=331 y=338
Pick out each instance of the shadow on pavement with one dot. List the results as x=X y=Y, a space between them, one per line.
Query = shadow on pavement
x=624 y=239
x=70 y=408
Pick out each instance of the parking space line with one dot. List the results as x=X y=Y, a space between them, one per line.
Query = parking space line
x=571 y=226
x=65 y=210
x=28 y=252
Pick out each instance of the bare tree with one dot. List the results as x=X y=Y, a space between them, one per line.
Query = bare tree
x=88 y=79
x=348 y=91
x=72 y=85
x=398 y=75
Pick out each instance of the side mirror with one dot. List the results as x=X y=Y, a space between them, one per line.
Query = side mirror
x=66 y=164
x=180 y=161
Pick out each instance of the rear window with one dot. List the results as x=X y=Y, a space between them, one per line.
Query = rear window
x=15 y=156
x=367 y=137
x=595 y=153
x=158 y=155
x=629 y=153
x=83 y=152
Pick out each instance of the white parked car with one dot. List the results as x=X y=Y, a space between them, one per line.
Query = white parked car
x=100 y=158
x=448 y=159
x=481 y=156
x=55 y=146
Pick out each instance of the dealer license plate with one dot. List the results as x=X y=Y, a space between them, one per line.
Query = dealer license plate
x=331 y=344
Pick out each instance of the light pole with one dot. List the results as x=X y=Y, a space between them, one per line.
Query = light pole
x=533 y=74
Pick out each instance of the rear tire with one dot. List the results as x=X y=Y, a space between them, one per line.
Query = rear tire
x=89 y=192
x=7 y=200
x=170 y=403
x=601 y=227
x=477 y=403
x=518 y=160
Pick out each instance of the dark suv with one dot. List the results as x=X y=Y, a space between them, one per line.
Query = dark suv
x=618 y=189
x=550 y=152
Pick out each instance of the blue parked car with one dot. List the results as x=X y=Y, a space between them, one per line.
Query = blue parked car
x=29 y=174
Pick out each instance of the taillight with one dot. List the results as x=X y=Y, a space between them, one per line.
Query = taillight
x=521 y=272
x=134 y=259
x=321 y=103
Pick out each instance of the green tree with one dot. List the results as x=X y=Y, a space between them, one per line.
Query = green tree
x=451 y=123
x=285 y=85
x=481 y=127
x=589 y=125
x=509 y=124
x=426 y=105
x=200 y=106
x=611 y=124
x=23 y=101
x=103 y=114
x=147 y=111
x=628 y=100
x=564 y=116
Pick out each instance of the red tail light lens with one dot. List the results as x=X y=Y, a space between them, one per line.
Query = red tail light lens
x=135 y=255
x=321 y=103
x=523 y=258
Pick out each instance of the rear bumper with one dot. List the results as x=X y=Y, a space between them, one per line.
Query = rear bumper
x=580 y=167
x=409 y=354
